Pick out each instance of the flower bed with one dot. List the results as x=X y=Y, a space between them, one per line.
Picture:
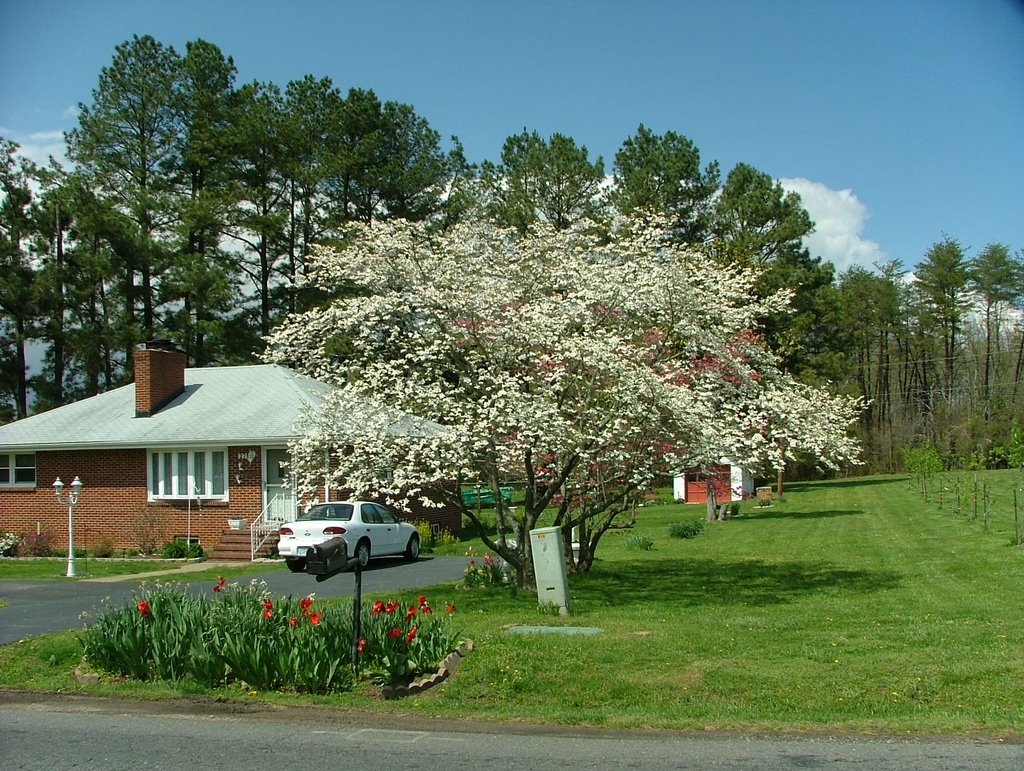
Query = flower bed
x=242 y=635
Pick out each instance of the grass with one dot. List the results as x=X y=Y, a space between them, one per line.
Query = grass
x=56 y=567
x=44 y=568
x=852 y=605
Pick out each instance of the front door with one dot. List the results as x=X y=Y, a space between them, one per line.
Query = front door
x=279 y=488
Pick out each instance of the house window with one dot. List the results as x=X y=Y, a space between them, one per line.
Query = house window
x=188 y=474
x=18 y=469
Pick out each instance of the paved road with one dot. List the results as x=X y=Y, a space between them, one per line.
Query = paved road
x=106 y=733
x=109 y=734
x=37 y=607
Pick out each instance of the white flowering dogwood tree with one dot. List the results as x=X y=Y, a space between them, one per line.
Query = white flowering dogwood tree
x=575 y=367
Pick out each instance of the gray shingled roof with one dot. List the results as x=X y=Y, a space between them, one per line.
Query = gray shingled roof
x=258 y=404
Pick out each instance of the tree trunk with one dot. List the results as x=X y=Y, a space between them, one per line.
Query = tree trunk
x=712 y=501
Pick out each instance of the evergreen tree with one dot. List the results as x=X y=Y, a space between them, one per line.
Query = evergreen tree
x=259 y=219
x=662 y=174
x=199 y=290
x=943 y=293
x=127 y=146
x=549 y=180
x=755 y=220
x=995 y=277
x=17 y=280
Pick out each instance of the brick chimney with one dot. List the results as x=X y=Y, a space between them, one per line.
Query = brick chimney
x=159 y=376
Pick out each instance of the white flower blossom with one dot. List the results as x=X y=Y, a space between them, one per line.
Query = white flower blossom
x=580 y=367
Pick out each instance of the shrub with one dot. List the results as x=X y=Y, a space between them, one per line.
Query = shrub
x=147 y=524
x=104 y=547
x=445 y=538
x=640 y=542
x=179 y=548
x=33 y=545
x=690 y=528
x=426 y=536
x=9 y=544
x=734 y=509
x=431 y=536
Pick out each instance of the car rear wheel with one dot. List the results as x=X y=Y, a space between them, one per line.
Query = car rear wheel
x=363 y=553
x=412 y=551
x=295 y=564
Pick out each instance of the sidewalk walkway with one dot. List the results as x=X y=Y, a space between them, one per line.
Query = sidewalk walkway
x=187 y=567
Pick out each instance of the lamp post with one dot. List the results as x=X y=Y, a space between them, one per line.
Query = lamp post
x=69 y=500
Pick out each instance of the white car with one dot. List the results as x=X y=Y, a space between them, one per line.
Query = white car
x=368 y=529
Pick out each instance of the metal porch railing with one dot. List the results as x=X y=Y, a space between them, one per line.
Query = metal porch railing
x=279 y=509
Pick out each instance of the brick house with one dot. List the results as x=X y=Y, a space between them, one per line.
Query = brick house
x=199 y=452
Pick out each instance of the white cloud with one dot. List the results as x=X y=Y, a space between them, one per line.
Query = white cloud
x=839 y=219
x=38 y=146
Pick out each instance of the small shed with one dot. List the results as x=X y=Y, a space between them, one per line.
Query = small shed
x=731 y=483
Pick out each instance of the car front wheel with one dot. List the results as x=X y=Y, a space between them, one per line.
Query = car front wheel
x=412 y=551
x=295 y=564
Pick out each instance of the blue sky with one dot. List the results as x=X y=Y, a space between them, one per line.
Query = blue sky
x=898 y=122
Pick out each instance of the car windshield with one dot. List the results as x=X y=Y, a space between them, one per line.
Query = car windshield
x=342 y=511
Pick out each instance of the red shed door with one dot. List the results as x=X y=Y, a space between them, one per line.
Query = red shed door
x=697 y=485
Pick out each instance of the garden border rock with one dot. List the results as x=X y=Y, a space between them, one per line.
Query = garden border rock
x=448 y=666
x=388 y=692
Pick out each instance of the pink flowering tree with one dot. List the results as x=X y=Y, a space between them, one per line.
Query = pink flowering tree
x=578 y=367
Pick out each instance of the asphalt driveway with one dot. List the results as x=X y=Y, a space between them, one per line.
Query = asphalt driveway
x=37 y=607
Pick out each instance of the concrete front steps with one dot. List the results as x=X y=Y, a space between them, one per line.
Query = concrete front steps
x=234 y=546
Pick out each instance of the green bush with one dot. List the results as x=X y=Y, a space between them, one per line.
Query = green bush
x=180 y=549
x=640 y=542
x=690 y=528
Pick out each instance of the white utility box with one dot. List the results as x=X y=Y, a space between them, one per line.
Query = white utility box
x=549 y=568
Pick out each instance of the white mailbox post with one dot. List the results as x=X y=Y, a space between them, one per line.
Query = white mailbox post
x=549 y=568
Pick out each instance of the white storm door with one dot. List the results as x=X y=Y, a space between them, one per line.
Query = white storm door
x=279 y=489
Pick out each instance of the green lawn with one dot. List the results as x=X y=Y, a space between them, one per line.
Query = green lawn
x=56 y=567
x=851 y=605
